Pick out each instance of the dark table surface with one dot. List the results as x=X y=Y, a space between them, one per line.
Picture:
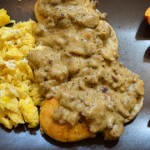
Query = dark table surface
x=127 y=18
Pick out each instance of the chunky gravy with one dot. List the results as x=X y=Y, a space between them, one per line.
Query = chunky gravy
x=77 y=64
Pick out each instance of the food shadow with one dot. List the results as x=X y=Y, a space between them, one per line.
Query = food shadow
x=91 y=142
x=21 y=128
x=148 y=124
x=147 y=55
x=143 y=32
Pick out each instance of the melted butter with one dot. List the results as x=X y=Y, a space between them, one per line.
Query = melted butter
x=77 y=65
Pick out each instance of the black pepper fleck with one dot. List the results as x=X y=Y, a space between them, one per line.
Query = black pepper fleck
x=104 y=89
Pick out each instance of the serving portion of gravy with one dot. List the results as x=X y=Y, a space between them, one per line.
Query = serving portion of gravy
x=77 y=64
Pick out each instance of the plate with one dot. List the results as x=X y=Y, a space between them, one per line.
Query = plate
x=127 y=18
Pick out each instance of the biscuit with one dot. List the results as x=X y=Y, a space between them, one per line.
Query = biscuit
x=61 y=132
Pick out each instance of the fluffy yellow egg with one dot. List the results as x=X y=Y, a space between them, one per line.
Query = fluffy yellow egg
x=19 y=97
x=4 y=18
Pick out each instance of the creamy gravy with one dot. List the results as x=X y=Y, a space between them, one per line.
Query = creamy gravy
x=77 y=64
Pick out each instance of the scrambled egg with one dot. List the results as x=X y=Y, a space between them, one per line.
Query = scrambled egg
x=18 y=95
x=4 y=18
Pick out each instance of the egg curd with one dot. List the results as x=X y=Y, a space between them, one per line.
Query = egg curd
x=19 y=97
x=4 y=18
